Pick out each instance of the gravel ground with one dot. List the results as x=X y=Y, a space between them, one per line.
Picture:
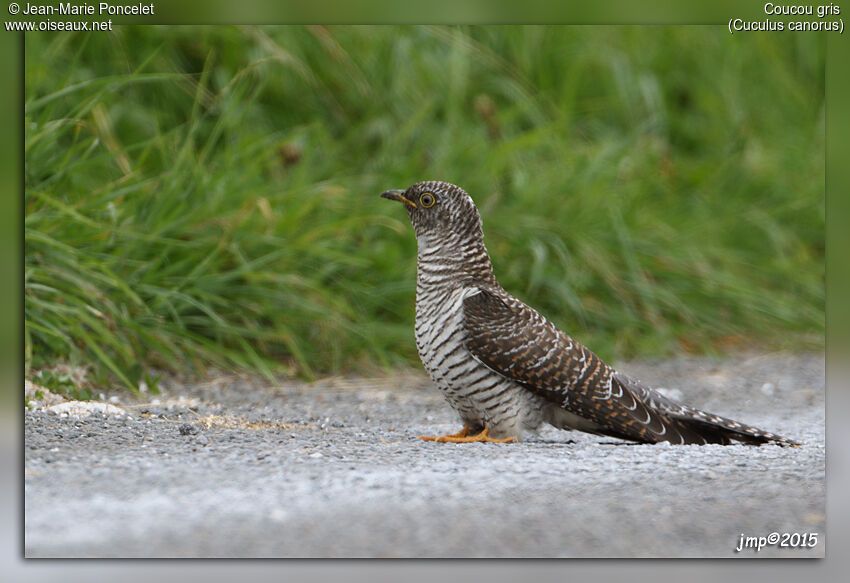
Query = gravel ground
x=236 y=468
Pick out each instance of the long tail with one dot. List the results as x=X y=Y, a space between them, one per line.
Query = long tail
x=710 y=428
x=700 y=427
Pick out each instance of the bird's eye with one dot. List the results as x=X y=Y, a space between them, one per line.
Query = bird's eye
x=427 y=200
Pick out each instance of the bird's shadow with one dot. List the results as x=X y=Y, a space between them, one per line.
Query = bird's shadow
x=574 y=442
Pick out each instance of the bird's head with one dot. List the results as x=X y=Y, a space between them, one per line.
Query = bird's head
x=439 y=211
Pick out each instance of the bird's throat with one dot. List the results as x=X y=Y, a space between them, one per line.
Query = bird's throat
x=447 y=259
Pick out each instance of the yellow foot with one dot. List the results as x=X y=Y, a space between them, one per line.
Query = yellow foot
x=463 y=436
x=462 y=433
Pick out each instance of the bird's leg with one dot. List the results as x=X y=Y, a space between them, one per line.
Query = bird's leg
x=463 y=437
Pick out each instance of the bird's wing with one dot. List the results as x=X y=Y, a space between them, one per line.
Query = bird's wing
x=515 y=341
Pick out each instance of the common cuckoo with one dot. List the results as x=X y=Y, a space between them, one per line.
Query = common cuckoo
x=506 y=369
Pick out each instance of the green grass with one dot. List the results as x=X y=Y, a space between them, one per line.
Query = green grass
x=208 y=196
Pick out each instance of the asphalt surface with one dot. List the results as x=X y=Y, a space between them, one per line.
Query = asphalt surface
x=237 y=468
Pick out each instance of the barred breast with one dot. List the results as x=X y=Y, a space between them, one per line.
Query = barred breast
x=481 y=397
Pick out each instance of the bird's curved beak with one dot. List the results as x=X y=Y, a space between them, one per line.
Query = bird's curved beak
x=399 y=196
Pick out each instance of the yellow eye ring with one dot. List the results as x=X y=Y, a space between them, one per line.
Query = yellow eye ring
x=427 y=200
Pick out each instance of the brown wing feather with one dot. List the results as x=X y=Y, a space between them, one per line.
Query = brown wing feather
x=514 y=340
x=517 y=342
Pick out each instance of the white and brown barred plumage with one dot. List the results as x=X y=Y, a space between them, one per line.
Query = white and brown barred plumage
x=505 y=368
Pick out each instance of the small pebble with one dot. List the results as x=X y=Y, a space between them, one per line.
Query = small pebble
x=187 y=429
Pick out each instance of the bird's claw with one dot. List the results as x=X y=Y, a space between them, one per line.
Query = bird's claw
x=463 y=436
